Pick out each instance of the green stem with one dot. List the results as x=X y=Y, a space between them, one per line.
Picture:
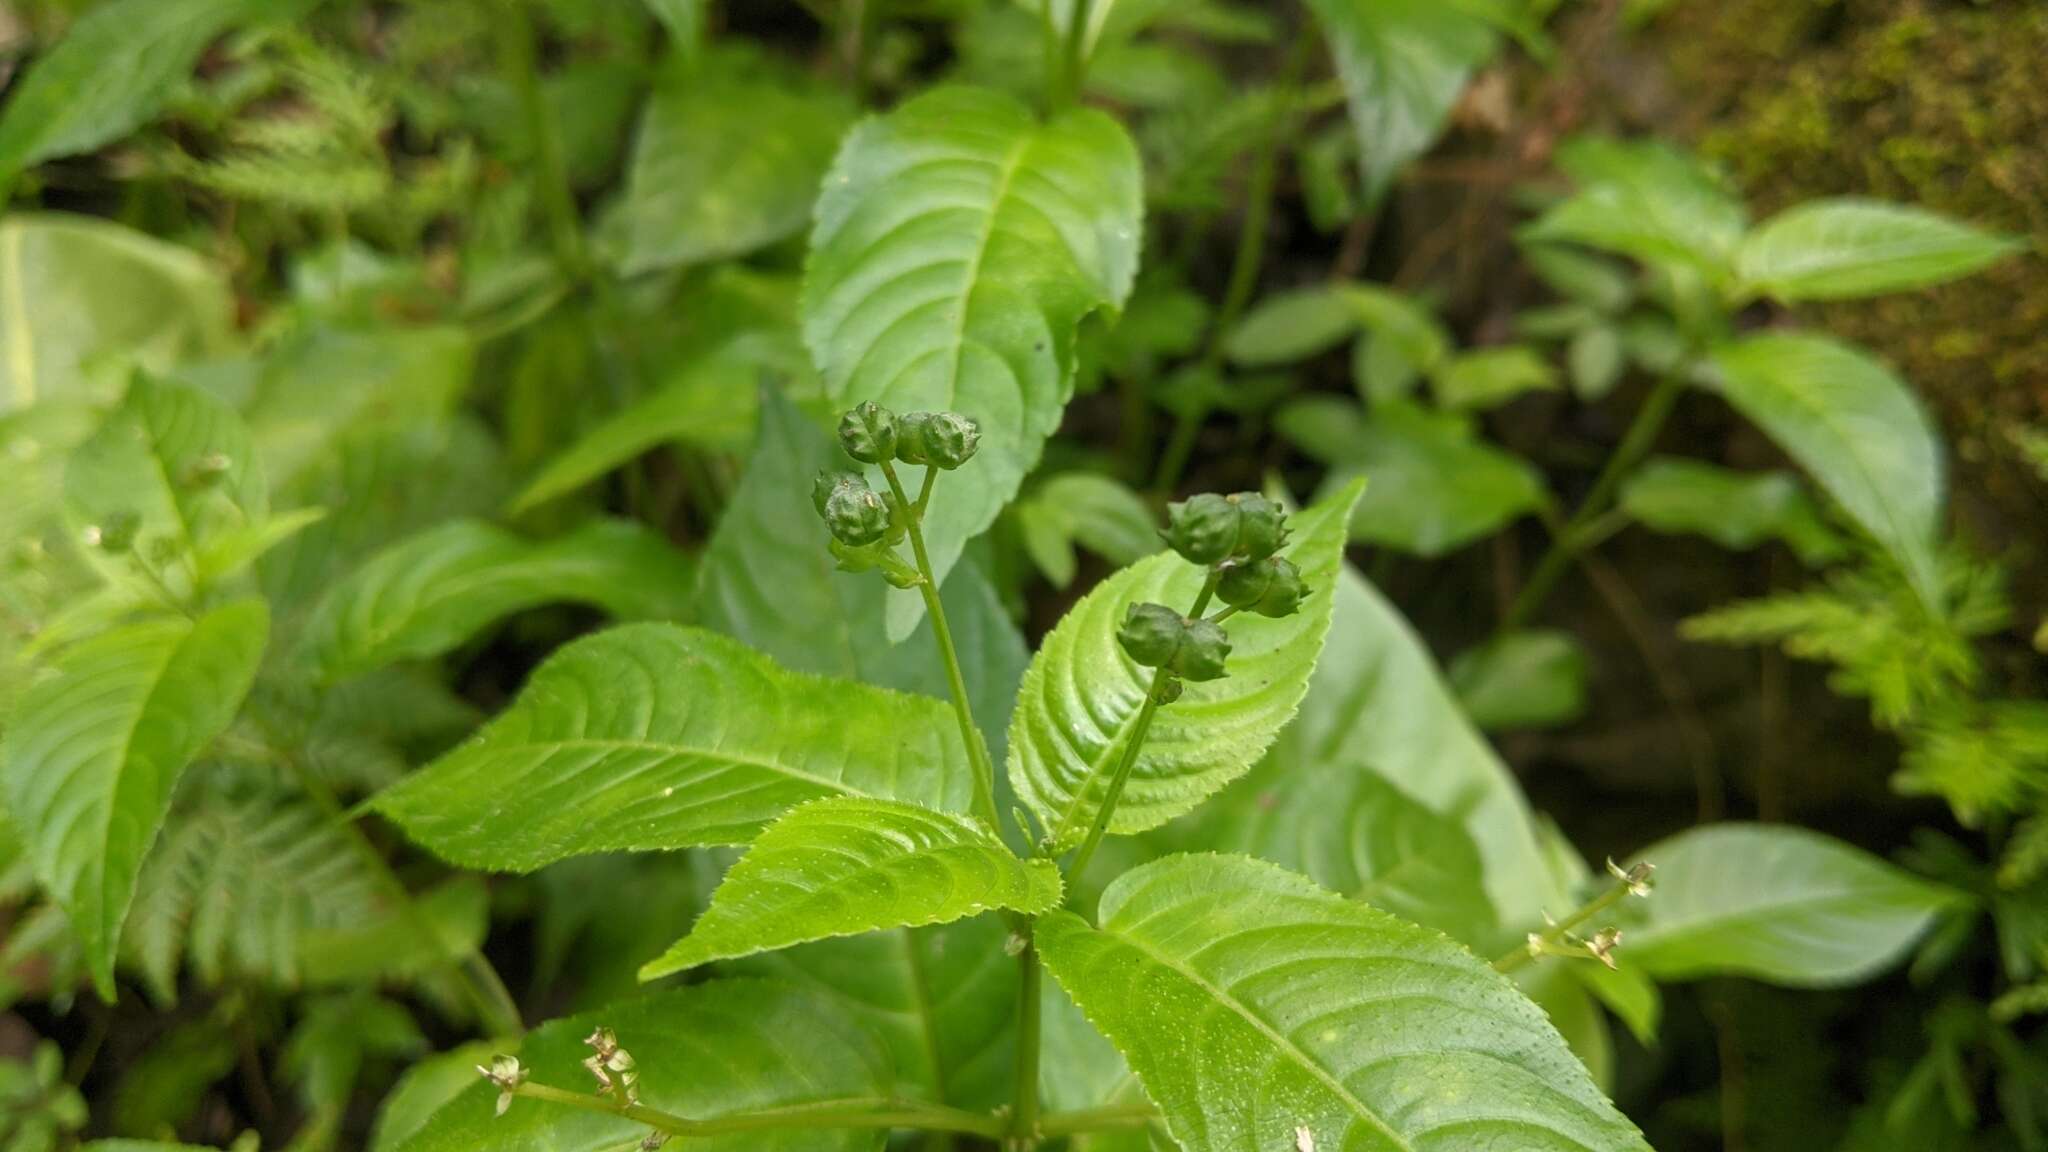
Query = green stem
x=1555 y=935
x=1129 y=760
x=866 y=1112
x=518 y=56
x=1077 y=53
x=1572 y=538
x=1024 y=1125
x=1098 y=1119
x=970 y=734
x=480 y=982
x=1244 y=267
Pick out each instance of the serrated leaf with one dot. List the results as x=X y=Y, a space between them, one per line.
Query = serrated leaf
x=1435 y=486
x=768 y=579
x=109 y=74
x=1404 y=63
x=93 y=753
x=651 y=737
x=1846 y=248
x=1856 y=428
x=845 y=866
x=704 y=1051
x=1775 y=903
x=1737 y=510
x=727 y=159
x=1083 y=693
x=1313 y=1012
x=1534 y=679
x=81 y=296
x=430 y=593
x=960 y=243
x=1647 y=200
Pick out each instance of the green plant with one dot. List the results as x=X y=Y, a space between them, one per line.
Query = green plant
x=527 y=500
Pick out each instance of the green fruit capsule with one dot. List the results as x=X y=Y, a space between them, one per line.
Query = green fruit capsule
x=827 y=482
x=868 y=433
x=1209 y=529
x=1270 y=587
x=1151 y=634
x=1203 y=650
x=856 y=516
x=943 y=440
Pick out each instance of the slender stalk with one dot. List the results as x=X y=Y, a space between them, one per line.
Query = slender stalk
x=1556 y=933
x=1077 y=52
x=1129 y=760
x=1574 y=537
x=1244 y=267
x=1024 y=1125
x=480 y=982
x=1098 y=1119
x=518 y=57
x=970 y=734
x=865 y=1112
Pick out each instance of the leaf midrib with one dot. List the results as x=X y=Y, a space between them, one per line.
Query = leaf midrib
x=1285 y=1045
x=609 y=743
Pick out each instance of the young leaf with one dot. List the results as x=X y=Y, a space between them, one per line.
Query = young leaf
x=1646 y=200
x=729 y=154
x=1856 y=428
x=704 y=1051
x=1083 y=692
x=1737 y=510
x=93 y=753
x=1313 y=1012
x=844 y=866
x=1084 y=508
x=1522 y=680
x=1292 y=326
x=1435 y=486
x=427 y=594
x=80 y=293
x=960 y=242
x=650 y=737
x=1845 y=248
x=110 y=74
x=1775 y=903
x=1491 y=377
x=1404 y=63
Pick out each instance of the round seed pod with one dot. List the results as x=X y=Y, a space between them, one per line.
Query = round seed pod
x=1151 y=634
x=868 y=433
x=1270 y=587
x=856 y=516
x=944 y=440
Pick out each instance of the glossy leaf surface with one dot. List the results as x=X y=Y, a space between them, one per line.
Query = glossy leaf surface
x=1844 y=249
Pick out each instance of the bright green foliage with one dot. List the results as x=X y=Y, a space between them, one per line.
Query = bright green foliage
x=1434 y=486
x=77 y=293
x=730 y=150
x=703 y=1052
x=1092 y=511
x=111 y=73
x=1491 y=377
x=1522 y=680
x=653 y=737
x=1856 y=429
x=1649 y=201
x=960 y=242
x=1404 y=63
x=430 y=593
x=840 y=867
x=1310 y=1012
x=1737 y=510
x=1083 y=693
x=1292 y=326
x=1779 y=904
x=92 y=754
x=1843 y=249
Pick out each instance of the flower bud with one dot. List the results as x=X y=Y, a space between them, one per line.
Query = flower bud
x=1151 y=634
x=1270 y=587
x=856 y=515
x=115 y=534
x=1203 y=649
x=868 y=433
x=943 y=440
x=1209 y=529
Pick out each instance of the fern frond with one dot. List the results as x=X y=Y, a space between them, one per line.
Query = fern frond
x=2026 y=854
x=1983 y=758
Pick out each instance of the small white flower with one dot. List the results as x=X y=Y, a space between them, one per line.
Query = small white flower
x=508 y=1075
